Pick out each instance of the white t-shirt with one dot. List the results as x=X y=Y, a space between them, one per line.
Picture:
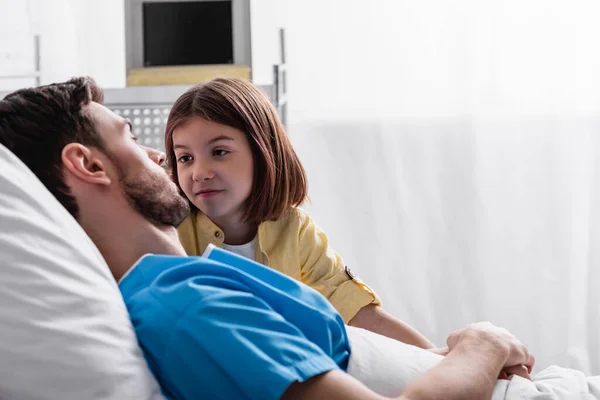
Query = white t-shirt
x=245 y=250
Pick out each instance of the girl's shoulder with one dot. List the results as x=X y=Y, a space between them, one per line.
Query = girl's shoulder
x=293 y=219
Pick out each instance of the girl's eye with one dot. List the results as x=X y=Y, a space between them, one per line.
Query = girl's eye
x=220 y=152
x=184 y=159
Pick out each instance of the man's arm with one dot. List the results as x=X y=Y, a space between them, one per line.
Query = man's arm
x=375 y=319
x=477 y=355
x=469 y=371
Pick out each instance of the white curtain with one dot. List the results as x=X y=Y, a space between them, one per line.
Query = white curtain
x=452 y=151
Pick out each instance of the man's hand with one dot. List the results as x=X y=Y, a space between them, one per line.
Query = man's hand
x=476 y=356
x=442 y=351
x=516 y=354
x=506 y=373
x=520 y=370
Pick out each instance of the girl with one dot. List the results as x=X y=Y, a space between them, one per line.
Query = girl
x=230 y=156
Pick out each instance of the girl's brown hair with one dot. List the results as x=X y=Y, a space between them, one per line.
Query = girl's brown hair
x=279 y=179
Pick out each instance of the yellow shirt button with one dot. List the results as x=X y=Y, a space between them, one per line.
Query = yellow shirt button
x=349 y=273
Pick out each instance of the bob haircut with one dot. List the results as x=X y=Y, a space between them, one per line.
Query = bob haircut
x=279 y=180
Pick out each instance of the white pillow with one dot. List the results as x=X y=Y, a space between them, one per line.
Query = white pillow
x=64 y=329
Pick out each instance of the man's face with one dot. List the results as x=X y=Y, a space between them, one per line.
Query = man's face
x=143 y=181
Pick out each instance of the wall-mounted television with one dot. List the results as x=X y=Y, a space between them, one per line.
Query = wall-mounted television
x=187 y=32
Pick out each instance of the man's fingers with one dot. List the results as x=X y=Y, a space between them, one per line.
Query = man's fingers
x=442 y=351
x=517 y=352
x=530 y=362
x=520 y=370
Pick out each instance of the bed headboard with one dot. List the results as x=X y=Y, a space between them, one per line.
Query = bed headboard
x=147 y=108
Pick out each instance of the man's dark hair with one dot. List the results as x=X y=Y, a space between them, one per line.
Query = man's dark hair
x=37 y=123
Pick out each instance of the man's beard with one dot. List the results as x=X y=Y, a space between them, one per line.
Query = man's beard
x=155 y=197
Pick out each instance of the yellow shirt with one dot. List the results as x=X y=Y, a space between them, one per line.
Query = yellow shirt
x=296 y=246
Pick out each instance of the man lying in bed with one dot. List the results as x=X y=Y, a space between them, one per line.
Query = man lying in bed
x=208 y=330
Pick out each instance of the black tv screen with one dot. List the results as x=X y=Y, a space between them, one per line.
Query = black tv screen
x=187 y=33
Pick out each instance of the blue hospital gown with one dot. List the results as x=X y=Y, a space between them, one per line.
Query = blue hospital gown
x=210 y=330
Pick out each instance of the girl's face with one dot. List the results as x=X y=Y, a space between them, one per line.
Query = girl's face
x=215 y=168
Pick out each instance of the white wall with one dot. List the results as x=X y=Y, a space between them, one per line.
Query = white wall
x=76 y=38
x=54 y=21
x=266 y=18
x=100 y=40
x=16 y=43
x=400 y=58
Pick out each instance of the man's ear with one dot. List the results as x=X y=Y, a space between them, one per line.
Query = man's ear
x=84 y=164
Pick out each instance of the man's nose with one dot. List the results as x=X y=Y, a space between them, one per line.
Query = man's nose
x=157 y=156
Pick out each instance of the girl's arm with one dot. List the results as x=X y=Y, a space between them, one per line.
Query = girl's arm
x=375 y=319
x=324 y=270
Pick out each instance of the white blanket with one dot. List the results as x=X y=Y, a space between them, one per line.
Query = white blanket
x=388 y=366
